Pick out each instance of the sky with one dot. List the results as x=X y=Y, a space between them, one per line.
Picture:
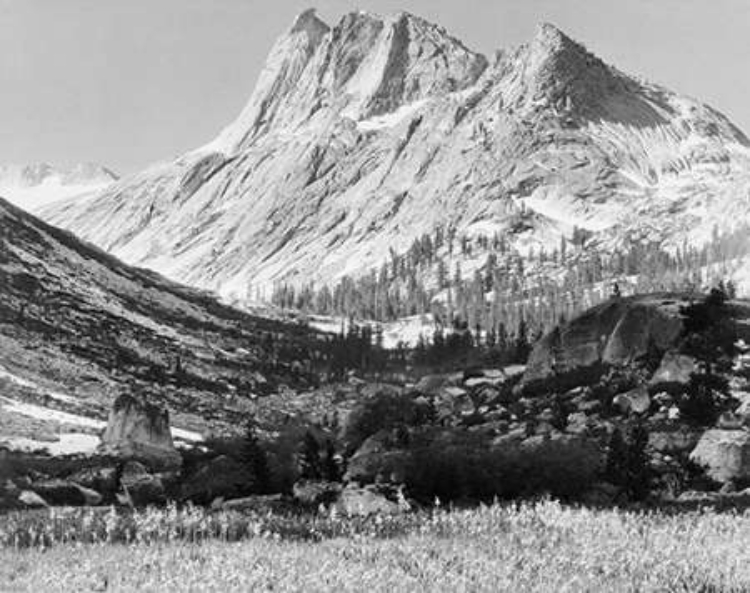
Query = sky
x=126 y=83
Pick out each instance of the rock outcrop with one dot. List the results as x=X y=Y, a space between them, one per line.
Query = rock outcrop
x=364 y=502
x=140 y=430
x=725 y=454
x=674 y=371
x=140 y=487
x=617 y=332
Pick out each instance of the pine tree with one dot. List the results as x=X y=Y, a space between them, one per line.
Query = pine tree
x=330 y=466
x=255 y=460
x=310 y=466
x=627 y=463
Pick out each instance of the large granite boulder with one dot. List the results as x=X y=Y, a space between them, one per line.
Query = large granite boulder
x=676 y=441
x=140 y=487
x=140 y=431
x=725 y=454
x=674 y=372
x=635 y=401
x=65 y=493
x=31 y=500
x=615 y=333
x=363 y=502
x=382 y=457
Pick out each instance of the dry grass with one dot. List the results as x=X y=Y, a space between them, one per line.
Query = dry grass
x=534 y=547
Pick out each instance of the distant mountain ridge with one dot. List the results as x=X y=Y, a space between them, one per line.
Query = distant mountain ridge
x=35 y=185
x=363 y=136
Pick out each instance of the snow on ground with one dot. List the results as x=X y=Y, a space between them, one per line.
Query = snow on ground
x=68 y=444
x=186 y=435
x=42 y=413
x=390 y=120
x=406 y=330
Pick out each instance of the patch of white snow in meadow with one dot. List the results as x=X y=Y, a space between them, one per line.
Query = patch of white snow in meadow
x=42 y=413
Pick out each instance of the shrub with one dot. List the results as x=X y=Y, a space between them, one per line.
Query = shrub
x=628 y=464
x=470 y=470
x=699 y=405
x=255 y=459
x=385 y=411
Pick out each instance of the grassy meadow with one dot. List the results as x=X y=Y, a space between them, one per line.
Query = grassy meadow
x=539 y=546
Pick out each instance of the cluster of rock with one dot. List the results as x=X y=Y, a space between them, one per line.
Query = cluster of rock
x=137 y=464
x=619 y=362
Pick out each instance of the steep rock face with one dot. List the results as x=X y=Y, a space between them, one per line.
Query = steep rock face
x=361 y=137
x=620 y=332
x=614 y=333
x=139 y=430
x=129 y=329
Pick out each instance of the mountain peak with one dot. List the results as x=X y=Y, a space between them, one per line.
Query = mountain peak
x=309 y=22
x=550 y=43
x=551 y=34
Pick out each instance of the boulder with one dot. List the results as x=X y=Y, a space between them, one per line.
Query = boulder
x=316 y=492
x=363 y=502
x=692 y=499
x=140 y=431
x=380 y=457
x=635 y=401
x=743 y=410
x=31 y=500
x=65 y=493
x=673 y=442
x=730 y=421
x=220 y=476
x=674 y=371
x=139 y=486
x=577 y=423
x=615 y=333
x=254 y=504
x=431 y=384
x=725 y=454
x=479 y=382
x=101 y=479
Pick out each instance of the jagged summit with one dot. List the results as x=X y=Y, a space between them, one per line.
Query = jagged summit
x=366 y=65
x=362 y=136
x=309 y=22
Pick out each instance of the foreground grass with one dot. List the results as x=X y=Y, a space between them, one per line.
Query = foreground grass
x=535 y=547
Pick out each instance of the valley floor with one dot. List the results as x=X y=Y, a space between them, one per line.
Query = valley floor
x=540 y=547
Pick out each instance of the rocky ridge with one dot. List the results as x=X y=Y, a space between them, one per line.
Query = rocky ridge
x=363 y=136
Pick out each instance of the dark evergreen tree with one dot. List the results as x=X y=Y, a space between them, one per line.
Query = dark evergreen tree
x=330 y=468
x=255 y=460
x=310 y=463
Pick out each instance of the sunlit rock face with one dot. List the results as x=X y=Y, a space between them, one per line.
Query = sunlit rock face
x=140 y=430
x=363 y=136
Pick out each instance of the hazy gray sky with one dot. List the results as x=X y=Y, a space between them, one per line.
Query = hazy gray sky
x=130 y=82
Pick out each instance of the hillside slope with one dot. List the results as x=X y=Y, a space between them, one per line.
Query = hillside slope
x=78 y=327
